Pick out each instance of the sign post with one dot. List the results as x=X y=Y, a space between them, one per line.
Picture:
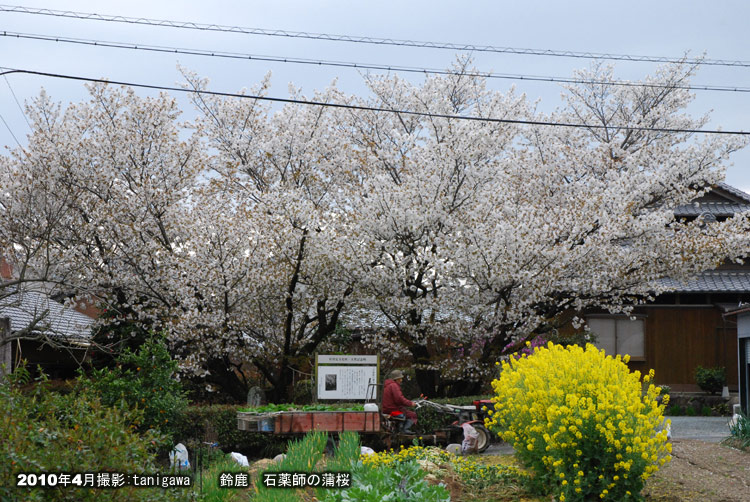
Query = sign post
x=345 y=377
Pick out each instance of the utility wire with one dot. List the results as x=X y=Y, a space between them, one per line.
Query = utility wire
x=10 y=131
x=15 y=98
x=9 y=71
x=370 y=40
x=344 y=64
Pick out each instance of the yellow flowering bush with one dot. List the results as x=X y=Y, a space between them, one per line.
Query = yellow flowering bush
x=581 y=422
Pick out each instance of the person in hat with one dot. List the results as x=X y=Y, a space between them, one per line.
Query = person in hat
x=394 y=400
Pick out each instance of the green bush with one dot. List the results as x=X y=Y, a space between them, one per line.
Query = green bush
x=740 y=430
x=675 y=410
x=706 y=411
x=400 y=482
x=711 y=380
x=721 y=410
x=303 y=392
x=462 y=400
x=209 y=487
x=145 y=380
x=218 y=423
x=42 y=431
x=690 y=411
x=301 y=456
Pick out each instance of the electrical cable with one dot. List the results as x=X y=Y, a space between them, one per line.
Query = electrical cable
x=10 y=131
x=370 y=40
x=344 y=64
x=9 y=71
x=15 y=98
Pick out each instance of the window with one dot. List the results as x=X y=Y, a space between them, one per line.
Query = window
x=618 y=335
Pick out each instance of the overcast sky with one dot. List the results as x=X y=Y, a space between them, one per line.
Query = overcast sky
x=654 y=28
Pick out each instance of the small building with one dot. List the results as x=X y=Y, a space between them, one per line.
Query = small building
x=43 y=332
x=686 y=327
x=742 y=315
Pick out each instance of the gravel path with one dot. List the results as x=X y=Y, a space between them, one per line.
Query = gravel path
x=709 y=429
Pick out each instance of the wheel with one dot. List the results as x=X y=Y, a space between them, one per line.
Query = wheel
x=484 y=439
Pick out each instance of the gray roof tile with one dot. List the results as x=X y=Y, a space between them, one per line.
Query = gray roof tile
x=718 y=209
x=735 y=191
x=59 y=320
x=715 y=281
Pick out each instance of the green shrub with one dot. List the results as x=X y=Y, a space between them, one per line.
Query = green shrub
x=429 y=420
x=208 y=484
x=218 y=423
x=706 y=411
x=711 y=380
x=675 y=410
x=41 y=431
x=399 y=482
x=580 y=338
x=145 y=380
x=578 y=420
x=301 y=456
x=740 y=430
x=721 y=410
x=462 y=400
x=303 y=392
x=690 y=411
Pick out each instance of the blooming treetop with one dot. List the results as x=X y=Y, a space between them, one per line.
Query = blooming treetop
x=250 y=234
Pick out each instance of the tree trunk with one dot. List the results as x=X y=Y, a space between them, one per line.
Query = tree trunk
x=281 y=391
x=426 y=379
x=223 y=375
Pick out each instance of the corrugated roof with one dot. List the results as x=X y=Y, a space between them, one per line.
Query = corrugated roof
x=715 y=281
x=58 y=320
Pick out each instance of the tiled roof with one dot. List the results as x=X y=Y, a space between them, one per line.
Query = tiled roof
x=718 y=209
x=58 y=320
x=735 y=191
x=715 y=281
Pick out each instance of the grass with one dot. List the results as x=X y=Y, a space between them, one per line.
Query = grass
x=210 y=491
x=662 y=487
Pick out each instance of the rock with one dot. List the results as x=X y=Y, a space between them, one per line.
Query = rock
x=367 y=451
x=263 y=463
x=427 y=465
x=279 y=458
x=453 y=448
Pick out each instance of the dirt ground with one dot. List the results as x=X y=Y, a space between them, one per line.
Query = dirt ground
x=701 y=471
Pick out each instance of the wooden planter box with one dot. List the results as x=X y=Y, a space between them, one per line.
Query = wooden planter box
x=300 y=422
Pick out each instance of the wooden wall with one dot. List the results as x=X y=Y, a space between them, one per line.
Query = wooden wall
x=677 y=340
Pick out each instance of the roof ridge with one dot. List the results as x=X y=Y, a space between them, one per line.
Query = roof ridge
x=734 y=191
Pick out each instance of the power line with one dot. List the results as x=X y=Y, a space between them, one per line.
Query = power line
x=15 y=98
x=344 y=64
x=10 y=131
x=9 y=71
x=369 y=40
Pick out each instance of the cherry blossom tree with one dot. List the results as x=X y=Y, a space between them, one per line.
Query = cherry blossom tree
x=490 y=233
x=251 y=233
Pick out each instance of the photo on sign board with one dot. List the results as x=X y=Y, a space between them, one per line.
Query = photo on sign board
x=330 y=382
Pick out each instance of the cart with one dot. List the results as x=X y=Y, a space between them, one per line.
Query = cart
x=371 y=425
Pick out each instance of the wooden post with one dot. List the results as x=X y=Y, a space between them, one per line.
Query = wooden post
x=6 y=348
